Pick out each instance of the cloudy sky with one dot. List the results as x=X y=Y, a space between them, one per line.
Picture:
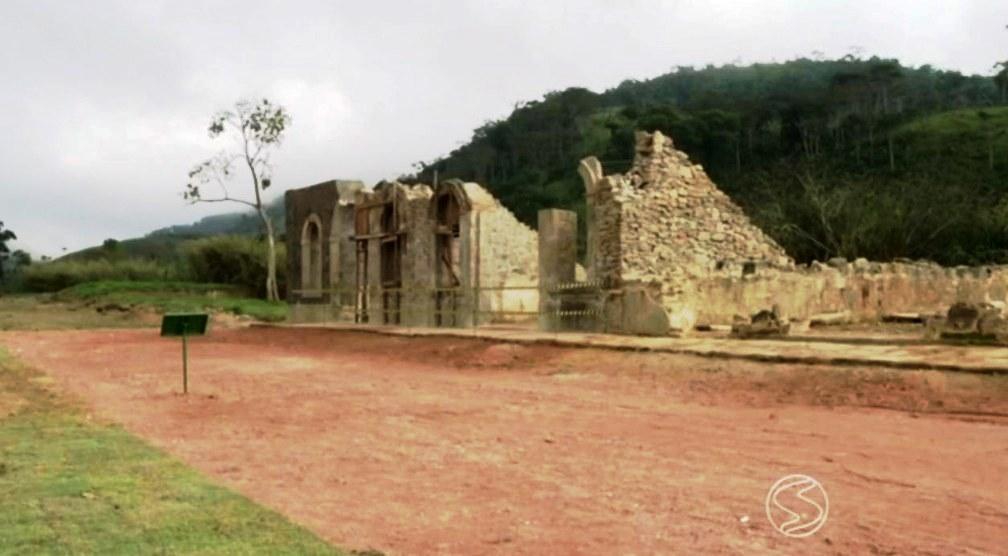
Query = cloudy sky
x=106 y=103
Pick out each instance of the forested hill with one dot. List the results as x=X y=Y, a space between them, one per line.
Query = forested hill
x=849 y=157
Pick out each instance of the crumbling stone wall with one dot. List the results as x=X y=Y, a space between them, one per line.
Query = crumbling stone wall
x=495 y=251
x=509 y=258
x=665 y=225
x=411 y=204
x=326 y=201
x=863 y=290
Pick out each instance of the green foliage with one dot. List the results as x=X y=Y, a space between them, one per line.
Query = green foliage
x=849 y=157
x=234 y=260
x=163 y=248
x=5 y=236
x=172 y=296
x=57 y=275
x=74 y=486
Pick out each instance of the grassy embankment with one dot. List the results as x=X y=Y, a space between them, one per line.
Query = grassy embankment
x=115 y=304
x=72 y=486
x=175 y=297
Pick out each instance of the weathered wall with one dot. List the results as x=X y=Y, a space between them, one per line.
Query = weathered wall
x=416 y=253
x=495 y=251
x=665 y=225
x=508 y=258
x=867 y=290
x=323 y=201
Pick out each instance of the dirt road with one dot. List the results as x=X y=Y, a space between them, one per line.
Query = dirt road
x=452 y=446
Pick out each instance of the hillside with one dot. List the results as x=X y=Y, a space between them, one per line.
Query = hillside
x=162 y=244
x=849 y=157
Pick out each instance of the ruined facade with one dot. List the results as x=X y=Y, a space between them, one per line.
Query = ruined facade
x=318 y=246
x=664 y=238
x=410 y=255
x=664 y=226
x=666 y=250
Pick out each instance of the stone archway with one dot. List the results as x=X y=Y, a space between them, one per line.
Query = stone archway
x=311 y=254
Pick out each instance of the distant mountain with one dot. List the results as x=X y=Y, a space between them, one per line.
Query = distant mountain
x=162 y=244
x=244 y=223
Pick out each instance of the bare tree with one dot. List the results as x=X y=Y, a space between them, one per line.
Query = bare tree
x=256 y=129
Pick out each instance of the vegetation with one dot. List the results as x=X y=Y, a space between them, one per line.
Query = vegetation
x=72 y=486
x=234 y=223
x=166 y=297
x=57 y=275
x=257 y=128
x=849 y=157
x=233 y=260
x=239 y=261
x=5 y=236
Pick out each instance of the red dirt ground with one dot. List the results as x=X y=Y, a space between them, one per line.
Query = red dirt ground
x=454 y=446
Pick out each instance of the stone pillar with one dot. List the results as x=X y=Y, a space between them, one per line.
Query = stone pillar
x=557 y=258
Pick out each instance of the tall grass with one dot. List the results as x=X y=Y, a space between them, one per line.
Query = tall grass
x=237 y=260
x=58 y=275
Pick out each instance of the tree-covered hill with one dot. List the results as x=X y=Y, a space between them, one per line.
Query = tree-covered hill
x=849 y=157
x=163 y=244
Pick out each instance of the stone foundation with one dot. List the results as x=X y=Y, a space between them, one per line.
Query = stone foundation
x=864 y=290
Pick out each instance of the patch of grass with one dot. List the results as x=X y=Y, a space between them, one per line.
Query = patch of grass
x=967 y=135
x=57 y=275
x=71 y=486
x=175 y=297
x=41 y=312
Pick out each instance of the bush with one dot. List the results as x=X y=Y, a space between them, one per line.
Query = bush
x=235 y=260
x=58 y=275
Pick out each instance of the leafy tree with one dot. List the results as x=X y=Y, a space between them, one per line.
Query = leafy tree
x=5 y=236
x=256 y=128
x=21 y=258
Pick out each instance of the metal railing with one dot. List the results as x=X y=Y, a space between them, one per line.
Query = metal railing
x=574 y=305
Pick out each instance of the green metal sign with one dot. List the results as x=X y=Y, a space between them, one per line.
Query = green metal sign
x=184 y=325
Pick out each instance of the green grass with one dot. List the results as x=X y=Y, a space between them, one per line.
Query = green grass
x=40 y=312
x=71 y=486
x=965 y=135
x=174 y=297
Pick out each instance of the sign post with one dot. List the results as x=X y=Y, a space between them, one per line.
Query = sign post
x=184 y=325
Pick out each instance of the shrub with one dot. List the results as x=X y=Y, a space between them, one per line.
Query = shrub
x=57 y=275
x=236 y=260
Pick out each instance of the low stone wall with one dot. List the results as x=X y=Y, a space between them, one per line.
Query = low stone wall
x=867 y=290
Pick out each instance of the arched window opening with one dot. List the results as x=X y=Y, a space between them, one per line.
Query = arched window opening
x=311 y=254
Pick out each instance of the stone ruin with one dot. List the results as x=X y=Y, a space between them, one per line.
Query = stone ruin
x=410 y=255
x=663 y=226
x=667 y=251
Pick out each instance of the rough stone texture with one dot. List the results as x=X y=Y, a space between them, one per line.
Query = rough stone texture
x=508 y=258
x=557 y=261
x=970 y=321
x=328 y=202
x=665 y=223
x=496 y=251
x=762 y=324
x=411 y=204
x=867 y=292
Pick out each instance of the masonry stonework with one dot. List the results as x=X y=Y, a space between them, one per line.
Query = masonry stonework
x=411 y=255
x=664 y=225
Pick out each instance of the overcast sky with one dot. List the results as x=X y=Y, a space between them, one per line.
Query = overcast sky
x=106 y=104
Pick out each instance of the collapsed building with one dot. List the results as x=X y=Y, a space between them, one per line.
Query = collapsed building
x=410 y=255
x=666 y=251
x=663 y=232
